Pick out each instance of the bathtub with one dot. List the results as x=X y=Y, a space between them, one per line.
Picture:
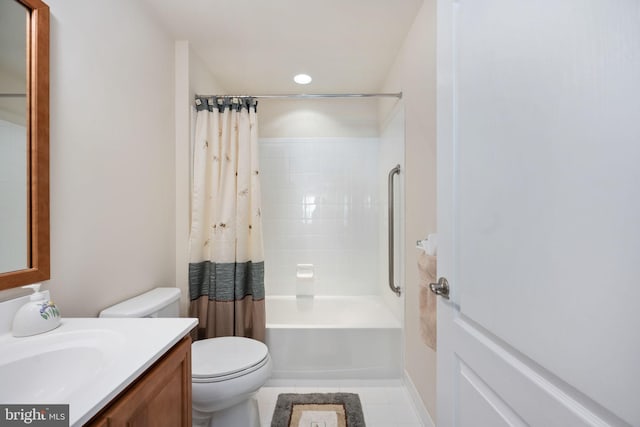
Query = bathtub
x=332 y=338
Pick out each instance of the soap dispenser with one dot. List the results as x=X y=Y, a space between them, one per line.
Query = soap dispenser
x=36 y=316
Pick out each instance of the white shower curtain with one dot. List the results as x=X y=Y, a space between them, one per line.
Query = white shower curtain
x=226 y=264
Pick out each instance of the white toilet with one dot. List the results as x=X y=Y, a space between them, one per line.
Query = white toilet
x=226 y=371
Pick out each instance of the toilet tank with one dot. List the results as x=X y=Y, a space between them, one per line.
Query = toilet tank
x=158 y=302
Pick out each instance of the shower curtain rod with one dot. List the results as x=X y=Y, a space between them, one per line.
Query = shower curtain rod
x=315 y=95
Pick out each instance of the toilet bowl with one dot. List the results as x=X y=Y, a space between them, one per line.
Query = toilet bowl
x=225 y=372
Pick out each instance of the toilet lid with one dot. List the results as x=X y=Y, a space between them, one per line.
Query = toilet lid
x=216 y=357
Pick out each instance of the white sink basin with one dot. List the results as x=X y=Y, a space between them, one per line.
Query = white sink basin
x=84 y=363
x=50 y=367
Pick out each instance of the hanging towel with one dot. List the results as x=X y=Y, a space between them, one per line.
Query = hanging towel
x=427 y=265
x=429 y=245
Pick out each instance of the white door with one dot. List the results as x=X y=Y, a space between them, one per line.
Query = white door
x=539 y=212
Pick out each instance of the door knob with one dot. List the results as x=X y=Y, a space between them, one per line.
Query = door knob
x=441 y=288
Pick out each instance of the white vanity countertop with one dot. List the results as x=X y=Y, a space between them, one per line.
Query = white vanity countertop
x=86 y=362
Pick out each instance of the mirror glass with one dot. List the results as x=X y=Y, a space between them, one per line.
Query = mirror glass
x=14 y=170
x=24 y=143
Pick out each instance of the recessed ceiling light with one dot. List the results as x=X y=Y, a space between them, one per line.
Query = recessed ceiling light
x=302 y=79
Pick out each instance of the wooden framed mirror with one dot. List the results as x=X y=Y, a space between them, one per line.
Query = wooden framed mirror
x=32 y=221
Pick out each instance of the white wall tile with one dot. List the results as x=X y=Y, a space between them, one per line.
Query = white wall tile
x=320 y=206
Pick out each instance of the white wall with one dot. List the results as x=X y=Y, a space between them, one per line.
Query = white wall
x=112 y=170
x=320 y=206
x=414 y=74
x=191 y=77
x=201 y=80
x=299 y=118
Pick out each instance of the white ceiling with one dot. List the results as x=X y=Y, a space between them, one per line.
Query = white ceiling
x=256 y=46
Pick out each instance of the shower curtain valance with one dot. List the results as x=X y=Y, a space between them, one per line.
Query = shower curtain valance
x=220 y=103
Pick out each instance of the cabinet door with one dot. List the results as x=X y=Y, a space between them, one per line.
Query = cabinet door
x=160 y=398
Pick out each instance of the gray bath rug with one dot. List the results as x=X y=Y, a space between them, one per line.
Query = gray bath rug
x=318 y=410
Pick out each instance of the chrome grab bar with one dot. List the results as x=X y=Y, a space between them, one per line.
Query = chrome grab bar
x=394 y=171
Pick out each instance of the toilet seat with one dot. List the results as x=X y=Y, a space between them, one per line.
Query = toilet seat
x=224 y=358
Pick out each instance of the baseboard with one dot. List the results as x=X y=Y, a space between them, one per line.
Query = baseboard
x=416 y=400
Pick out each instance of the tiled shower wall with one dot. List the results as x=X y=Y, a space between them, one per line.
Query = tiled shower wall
x=320 y=206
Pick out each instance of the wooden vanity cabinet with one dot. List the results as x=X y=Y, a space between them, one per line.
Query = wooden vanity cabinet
x=161 y=397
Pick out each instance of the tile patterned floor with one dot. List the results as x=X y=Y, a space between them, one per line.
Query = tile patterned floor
x=385 y=404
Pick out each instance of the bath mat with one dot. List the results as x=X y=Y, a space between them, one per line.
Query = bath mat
x=318 y=410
